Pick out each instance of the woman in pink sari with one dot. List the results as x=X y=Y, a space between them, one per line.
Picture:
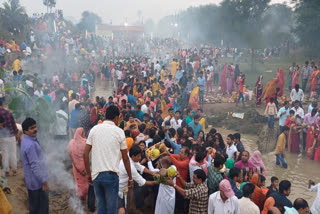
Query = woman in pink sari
x=223 y=79
x=230 y=79
x=258 y=166
x=280 y=77
x=293 y=137
x=76 y=150
x=295 y=77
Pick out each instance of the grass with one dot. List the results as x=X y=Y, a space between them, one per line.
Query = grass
x=273 y=64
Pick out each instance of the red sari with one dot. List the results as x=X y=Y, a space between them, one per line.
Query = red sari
x=310 y=141
x=294 y=138
x=280 y=77
x=314 y=80
x=295 y=78
x=258 y=198
x=223 y=79
x=76 y=151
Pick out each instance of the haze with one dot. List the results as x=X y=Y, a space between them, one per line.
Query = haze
x=120 y=10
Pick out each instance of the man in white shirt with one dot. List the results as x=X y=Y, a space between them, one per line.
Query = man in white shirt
x=297 y=109
x=108 y=144
x=297 y=94
x=315 y=208
x=176 y=121
x=231 y=148
x=245 y=204
x=144 y=107
x=61 y=123
x=134 y=157
x=223 y=201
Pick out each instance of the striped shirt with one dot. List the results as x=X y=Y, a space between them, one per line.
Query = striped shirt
x=198 y=195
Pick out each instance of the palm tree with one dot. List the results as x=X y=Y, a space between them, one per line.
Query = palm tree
x=50 y=4
x=13 y=16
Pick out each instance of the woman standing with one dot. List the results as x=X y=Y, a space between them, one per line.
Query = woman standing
x=230 y=79
x=314 y=81
x=259 y=90
x=258 y=166
x=294 y=137
x=295 y=76
x=223 y=80
x=280 y=77
x=76 y=151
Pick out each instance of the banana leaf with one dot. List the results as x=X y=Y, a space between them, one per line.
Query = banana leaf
x=18 y=90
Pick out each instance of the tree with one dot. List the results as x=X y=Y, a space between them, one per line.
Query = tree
x=88 y=22
x=13 y=16
x=49 y=4
x=308 y=28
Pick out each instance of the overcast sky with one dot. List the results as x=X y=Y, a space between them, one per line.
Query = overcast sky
x=119 y=10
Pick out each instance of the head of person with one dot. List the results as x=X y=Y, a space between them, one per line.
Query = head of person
x=29 y=127
x=112 y=113
x=170 y=77
x=110 y=99
x=306 y=63
x=184 y=153
x=285 y=187
x=230 y=139
x=286 y=104
x=296 y=104
x=135 y=153
x=245 y=156
x=199 y=176
x=142 y=145
x=248 y=190
x=271 y=100
x=296 y=87
x=165 y=162
x=286 y=130
x=262 y=181
x=274 y=182
x=196 y=119
x=73 y=96
x=292 y=112
x=237 y=137
x=218 y=162
x=171 y=112
x=138 y=108
x=301 y=206
x=177 y=115
x=148 y=103
x=225 y=190
x=189 y=112
x=200 y=157
x=313 y=112
x=152 y=133
x=235 y=174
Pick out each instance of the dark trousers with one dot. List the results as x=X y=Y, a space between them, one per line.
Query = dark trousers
x=304 y=140
x=216 y=79
x=304 y=84
x=38 y=202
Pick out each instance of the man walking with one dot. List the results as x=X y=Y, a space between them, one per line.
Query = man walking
x=108 y=144
x=35 y=169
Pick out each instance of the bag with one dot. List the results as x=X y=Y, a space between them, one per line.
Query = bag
x=5 y=206
x=91 y=199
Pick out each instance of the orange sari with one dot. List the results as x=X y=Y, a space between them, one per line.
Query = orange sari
x=314 y=80
x=258 y=198
x=76 y=151
x=270 y=202
x=270 y=89
x=280 y=77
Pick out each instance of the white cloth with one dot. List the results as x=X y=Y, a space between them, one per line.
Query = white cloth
x=106 y=140
x=140 y=137
x=124 y=178
x=299 y=112
x=216 y=205
x=231 y=150
x=139 y=167
x=175 y=124
x=61 y=123
x=246 y=206
x=2 y=92
x=294 y=95
x=166 y=198
x=192 y=168
x=316 y=204
x=144 y=109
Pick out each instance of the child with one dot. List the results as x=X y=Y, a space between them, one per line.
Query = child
x=274 y=185
x=271 y=110
x=209 y=82
x=231 y=148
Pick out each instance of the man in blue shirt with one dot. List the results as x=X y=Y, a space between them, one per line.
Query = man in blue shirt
x=35 y=169
x=74 y=120
x=201 y=84
x=139 y=113
x=283 y=114
x=281 y=196
x=196 y=126
x=235 y=174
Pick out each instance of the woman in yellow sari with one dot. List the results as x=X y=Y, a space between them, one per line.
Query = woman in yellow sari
x=270 y=90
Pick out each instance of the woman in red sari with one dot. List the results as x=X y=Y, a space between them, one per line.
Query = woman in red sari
x=314 y=80
x=293 y=137
x=258 y=198
x=259 y=90
x=280 y=77
x=76 y=150
x=223 y=79
x=310 y=140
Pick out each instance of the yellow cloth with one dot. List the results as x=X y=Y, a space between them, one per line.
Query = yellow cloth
x=155 y=88
x=203 y=123
x=16 y=65
x=70 y=92
x=163 y=75
x=129 y=141
x=281 y=144
x=173 y=69
x=5 y=206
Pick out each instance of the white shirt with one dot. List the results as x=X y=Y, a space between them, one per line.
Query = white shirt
x=294 y=95
x=140 y=137
x=247 y=206
x=216 y=205
x=299 y=112
x=231 y=150
x=144 y=108
x=123 y=177
x=316 y=204
x=106 y=140
x=157 y=67
x=119 y=74
x=61 y=123
x=192 y=168
x=175 y=124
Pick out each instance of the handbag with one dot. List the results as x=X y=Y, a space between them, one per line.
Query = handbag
x=91 y=199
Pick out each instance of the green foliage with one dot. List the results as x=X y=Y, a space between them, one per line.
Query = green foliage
x=49 y=3
x=308 y=28
x=88 y=22
x=13 y=16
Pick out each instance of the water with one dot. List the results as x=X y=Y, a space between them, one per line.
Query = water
x=299 y=171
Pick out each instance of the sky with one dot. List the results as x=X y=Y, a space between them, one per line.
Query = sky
x=119 y=10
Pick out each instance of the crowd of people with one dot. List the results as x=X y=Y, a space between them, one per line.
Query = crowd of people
x=149 y=138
